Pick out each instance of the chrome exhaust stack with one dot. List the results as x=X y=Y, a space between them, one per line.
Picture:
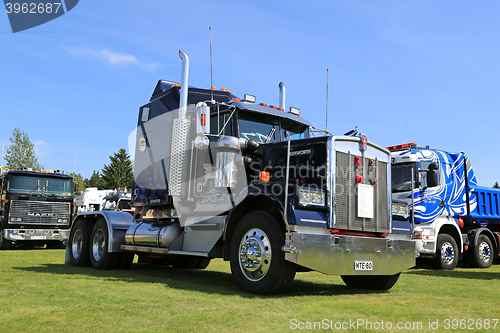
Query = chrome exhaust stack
x=184 y=84
x=178 y=150
x=282 y=95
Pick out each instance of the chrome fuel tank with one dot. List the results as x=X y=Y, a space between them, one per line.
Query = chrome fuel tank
x=159 y=234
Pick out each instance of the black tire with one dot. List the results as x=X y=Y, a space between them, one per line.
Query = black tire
x=372 y=282
x=100 y=257
x=124 y=260
x=79 y=243
x=202 y=263
x=447 y=253
x=55 y=245
x=481 y=255
x=258 y=264
x=5 y=244
x=186 y=262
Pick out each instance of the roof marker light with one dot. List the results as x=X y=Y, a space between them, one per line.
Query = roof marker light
x=411 y=145
x=273 y=107
x=294 y=111
x=177 y=85
x=263 y=104
x=213 y=88
x=249 y=98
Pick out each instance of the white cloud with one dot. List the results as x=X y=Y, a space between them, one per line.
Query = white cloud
x=113 y=57
x=40 y=148
x=109 y=56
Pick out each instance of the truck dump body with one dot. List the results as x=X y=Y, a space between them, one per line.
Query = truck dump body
x=487 y=210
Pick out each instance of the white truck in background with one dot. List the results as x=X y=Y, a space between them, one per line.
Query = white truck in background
x=91 y=200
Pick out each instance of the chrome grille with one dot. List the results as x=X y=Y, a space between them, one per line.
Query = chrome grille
x=39 y=212
x=346 y=196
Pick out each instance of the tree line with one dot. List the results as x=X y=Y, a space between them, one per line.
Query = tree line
x=118 y=173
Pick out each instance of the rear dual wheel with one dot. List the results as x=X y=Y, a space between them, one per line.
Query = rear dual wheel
x=481 y=255
x=79 y=243
x=89 y=246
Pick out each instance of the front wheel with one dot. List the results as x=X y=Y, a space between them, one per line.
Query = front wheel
x=100 y=257
x=372 y=282
x=481 y=255
x=446 y=253
x=258 y=264
x=4 y=243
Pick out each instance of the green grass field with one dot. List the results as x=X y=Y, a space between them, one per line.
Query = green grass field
x=38 y=293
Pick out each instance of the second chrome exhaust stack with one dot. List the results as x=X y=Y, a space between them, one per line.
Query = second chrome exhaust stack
x=282 y=95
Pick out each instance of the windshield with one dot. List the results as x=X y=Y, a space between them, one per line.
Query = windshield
x=39 y=185
x=109 y=205
x=401 y=177
x=123 y=204
x=265 y=128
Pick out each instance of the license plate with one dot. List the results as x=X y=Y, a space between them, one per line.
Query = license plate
x=360 y=265
x=38 y=237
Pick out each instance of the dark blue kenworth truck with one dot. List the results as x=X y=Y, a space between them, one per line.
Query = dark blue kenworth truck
x=216 y=176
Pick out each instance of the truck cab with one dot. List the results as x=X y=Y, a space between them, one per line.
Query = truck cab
x=118 y=200
x=35 y=208
x=447 y=210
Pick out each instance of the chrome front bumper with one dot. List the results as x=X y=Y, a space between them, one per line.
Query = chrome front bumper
x=337 y=254
x=36 y=234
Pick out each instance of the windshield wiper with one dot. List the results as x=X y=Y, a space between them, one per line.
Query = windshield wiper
x=271 y=133
x=36 y=187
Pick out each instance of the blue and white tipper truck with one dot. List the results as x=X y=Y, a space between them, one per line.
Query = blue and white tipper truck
x=453 y=217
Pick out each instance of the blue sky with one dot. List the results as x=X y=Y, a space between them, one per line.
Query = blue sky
x=402 y=71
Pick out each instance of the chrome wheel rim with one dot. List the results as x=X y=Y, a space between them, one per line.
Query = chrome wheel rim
x=98 y=244
x=76 y=243
x=255 y=254
x=484 y=251
x=447 y=253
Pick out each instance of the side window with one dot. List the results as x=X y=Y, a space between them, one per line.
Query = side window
x=214 y=127
x=424 y=168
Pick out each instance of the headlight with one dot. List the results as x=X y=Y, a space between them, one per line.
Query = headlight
x=16 y=219
x=308 y=197
x=400 y=209
x=62 y=220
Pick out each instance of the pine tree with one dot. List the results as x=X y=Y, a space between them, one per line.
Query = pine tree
x=496 y=185
x=21 y=152
x=119 y=173
x=78 y=180
x=94 y=181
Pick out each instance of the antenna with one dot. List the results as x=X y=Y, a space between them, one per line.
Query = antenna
x=326 y=100
x=212 y=81
x=74 y=168
x=211 y=71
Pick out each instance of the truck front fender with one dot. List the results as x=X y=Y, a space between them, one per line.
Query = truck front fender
x=428 y=243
